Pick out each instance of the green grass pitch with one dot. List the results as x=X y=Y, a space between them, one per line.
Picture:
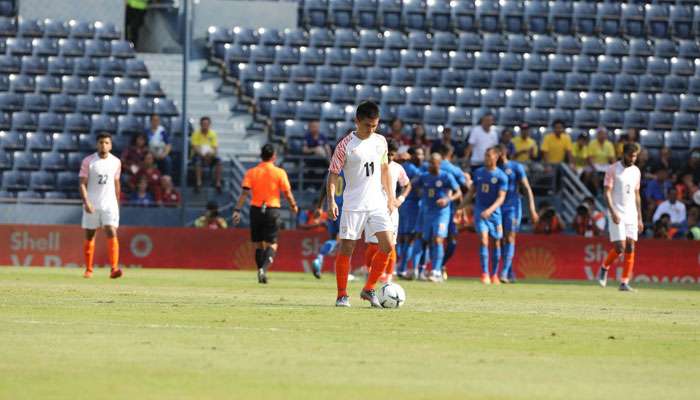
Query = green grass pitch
x=178 y=334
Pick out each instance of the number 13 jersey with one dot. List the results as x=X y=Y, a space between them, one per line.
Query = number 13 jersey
x=101 y=174
x=361 y=162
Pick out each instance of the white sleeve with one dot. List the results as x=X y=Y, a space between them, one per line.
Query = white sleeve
x=660 y=210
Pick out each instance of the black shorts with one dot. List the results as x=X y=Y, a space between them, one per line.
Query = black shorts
x=264 y=226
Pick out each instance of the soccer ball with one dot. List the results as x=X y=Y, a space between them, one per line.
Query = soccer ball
x=391 y=295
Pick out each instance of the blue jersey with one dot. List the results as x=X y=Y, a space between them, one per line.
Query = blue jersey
x=413 y=172
x=488 y=184
x=515 y=173
x=455 y=171
x=435 y=187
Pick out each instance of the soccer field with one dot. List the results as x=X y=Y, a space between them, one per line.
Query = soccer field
x=178 y=334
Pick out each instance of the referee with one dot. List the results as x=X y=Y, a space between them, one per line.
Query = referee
x=263 y=183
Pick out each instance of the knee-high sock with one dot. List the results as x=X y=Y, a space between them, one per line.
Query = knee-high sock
x=268 y=258
x=89 y=251
x=400 y=249
x=327 y=247
x=417 y=252
x=613 y=254
x=495 y=259
x=484 y=259
x=450 y=248
x=629 y=266
x=438 y=255
x=426 y=255
x=113 y=248
x=390 y=263
x=377 y=269
x=259 y=254
x=406 y=257
x=370 y=251
x=342 y=268
x=509 y=252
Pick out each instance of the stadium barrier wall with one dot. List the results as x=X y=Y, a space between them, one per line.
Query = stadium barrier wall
x=84 y=10
x=537 y=256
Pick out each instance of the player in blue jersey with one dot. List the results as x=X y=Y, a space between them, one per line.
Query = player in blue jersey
x=409 y=210
x=446 y=150
x=511 y=209
x=489 y=189
x=333 y=227
x=438 y=190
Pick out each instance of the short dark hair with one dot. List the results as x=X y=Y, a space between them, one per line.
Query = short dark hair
x=267 y=152
x=445 y=149
x=392 y=146
x=367 y=109
x=103 y=135
x=630 y=148
x=558 y=121
x=206 y=117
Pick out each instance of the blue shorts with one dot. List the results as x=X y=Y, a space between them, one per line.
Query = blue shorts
x=512 y=216
x=408 y=217
x=333 y=226
x=436 y=223
x=492 y=225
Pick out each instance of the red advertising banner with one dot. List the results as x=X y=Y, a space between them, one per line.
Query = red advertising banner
x=537 y=256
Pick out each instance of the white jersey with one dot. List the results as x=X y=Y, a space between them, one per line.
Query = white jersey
x=397 y=175
x=624 y=183
x=101 y=174
x=361 y=162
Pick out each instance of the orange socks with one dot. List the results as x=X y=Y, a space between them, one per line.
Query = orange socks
x=113 y=249
x=370 y=251
x=377 y=269
x=612 y=256
x=629 y=265
x=390 y=262
x=89 y=251
x=342 y=269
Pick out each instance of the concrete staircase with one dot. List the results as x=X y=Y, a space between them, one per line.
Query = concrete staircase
x=204 y=97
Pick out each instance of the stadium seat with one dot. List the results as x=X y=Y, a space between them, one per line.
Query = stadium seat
x=616 y=47
x=56 y=29
x=317 y=93
x=494 y=43
x=343 y=94
x=60 y=66
x=106 y=31
x=390 y=14
x=366 y=14
x=608 y=18
x=488 y=15
x=12 y=140
x=612 y=119
x=513 y=16
x=659 y=120
x=378 y=76
x=561 y=63
x=302 y=73
x=165 y=107
x=682 y=67
x=26 y=161
x=585 y=15
x=518 y=98
x=308 y=111
x=338 y=57
x=36 y=102
x=675 y=84
x=568 y=100
x=321 y=37
x=527 y=80
x=403 y=77
x=17 y=180
x=326 y=74
x=536 y=116
x=346 y=38
x=77 y=123
x=464 y=15
x=537 y=16
x=246 y=36
x=445 y=41
x=24 y=121
x=561 y=17
x=11 y=102
x=684 y=121
x=665 y=48
x=62 y=103
x=352 y=75
x=468 y=98
x=42 y=181
x=569 y=45
x=368 y=92
x=98 y=48
x=395 y=40
x=487 y=60
x=586 y=119
x=5 y=160
x=536 y=62
x=414 y=15
x=87 y=67
x=609 y=64
x=427 y=77
x=102 y=123
x=512 y=62
x=62 y=142
x=553 y=81
x=690 y=103
x=371 y=39
x=67 y=181
x=22 y=83
x=601 y=82
x=341 y=13
x=657 y=20
x=593 y=101
x=55 y=195
x=363 y=57
x=262 y=54
x=316 y=12
x=633 y=20
x=459 y=116
x=332 y=112
x=51 y=122
x=388 y=95
x=387 y=58
x=439 y=15
x=519 y=44
x=689 y=49
x=544 y=99
x=503 y=80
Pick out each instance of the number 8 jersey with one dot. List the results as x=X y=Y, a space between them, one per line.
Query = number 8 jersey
x=101 y=174
x=361 y=162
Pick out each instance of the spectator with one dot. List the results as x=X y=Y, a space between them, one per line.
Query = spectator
x=632 y=136
x=549 y=222
x=159 y=145
x=167 y=195
x=132 y=157
x=556 y=146
x=664 y=160
x=693 y=166
x=644 y=166
x=211 y=219
x=601 y=152
x=583 y=223
x=579 y=154
x=135 y=14
x=693 y=225
x=316 y=143
x=686 y=187
x=674 y=208
x=525 y=146
x=205 y=146
x=598 y=216
x=656 y=190
x=446 y=138
x=149 y=171
x=507 y=140
x=312 y=220
x=420 y=139
x=662 y=227
x=141 y=197
x=481 y=138
x=397 y=133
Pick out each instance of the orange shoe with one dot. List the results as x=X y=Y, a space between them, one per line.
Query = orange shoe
x=87 y=274
x=485 y=279
x=116 y=273
x=495 y=280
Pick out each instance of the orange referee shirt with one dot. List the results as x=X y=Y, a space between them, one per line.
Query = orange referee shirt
x=266 y=182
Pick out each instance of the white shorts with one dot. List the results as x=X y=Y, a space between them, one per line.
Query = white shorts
x=622 y=231
x=394 y=228
x=100 y=218
x=353 y=223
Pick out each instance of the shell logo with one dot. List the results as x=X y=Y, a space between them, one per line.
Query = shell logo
x=536 y=262
x=244 y=256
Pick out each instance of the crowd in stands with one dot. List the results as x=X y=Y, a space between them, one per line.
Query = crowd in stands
x=670 y=196
x=146 y=168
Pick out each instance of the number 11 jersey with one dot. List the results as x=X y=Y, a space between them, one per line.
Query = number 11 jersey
x=361 y=162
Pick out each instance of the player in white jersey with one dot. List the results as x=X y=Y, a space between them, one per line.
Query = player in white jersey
x=100 y=190
x=367 y=199
x=624 y=213
x=399 y=179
